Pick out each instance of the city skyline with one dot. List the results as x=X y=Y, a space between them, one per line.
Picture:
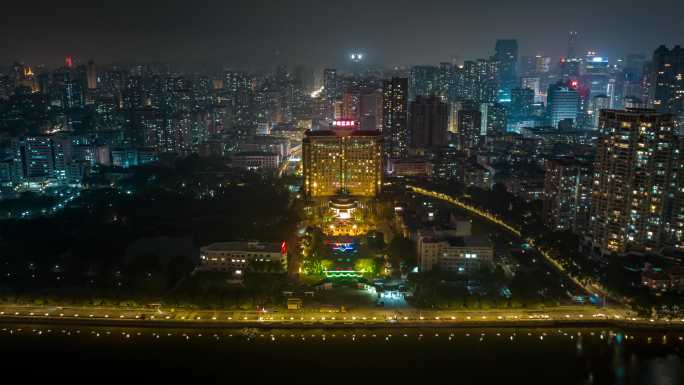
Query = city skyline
x=263 y=34
x=225 y=178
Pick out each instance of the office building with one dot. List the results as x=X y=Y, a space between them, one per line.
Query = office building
x=506 y=54
x=667 y=80
x=571 y=69
x=124 y=157
x=39 y=162
x=573 y=39
x=563 y=103
x=533 y=83
x=522 y=100
x=597 y=77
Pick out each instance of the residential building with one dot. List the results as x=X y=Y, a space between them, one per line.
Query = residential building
x=634 y=181
x=567 y=194
x=428 y=122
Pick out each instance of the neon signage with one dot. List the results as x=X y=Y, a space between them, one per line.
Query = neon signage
x=343 y=247
x=344 y=123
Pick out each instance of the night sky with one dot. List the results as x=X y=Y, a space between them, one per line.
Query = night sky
x=261 y=33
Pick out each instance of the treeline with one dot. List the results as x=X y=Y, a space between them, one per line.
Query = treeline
x=86 y=247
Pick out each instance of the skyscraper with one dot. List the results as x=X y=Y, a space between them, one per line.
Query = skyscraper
x=596 y=76
x=563 y=103
x=667 y=80
x=91 y=75
x=598 y=103
x=633 y=180
x=330 y=92
x=633 y=77
x=370 y=113
x=571 y=69
x=507 y=57
x=494 y=119
x=428 y=122
x=72 y=92
x=445 y=81
x=573 y=38
x=330 y=83
x=469 y=128
x=521 y=102
x=394 y=117
x=39 y=162
x=351 y=105
x=423 y=81
x=480 y=81
x=542 y=64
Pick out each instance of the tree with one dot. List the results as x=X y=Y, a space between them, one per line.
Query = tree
x=402 y=251
x=525 y=289
x=366 y=266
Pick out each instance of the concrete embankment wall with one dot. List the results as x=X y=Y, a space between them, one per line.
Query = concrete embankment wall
x=189 y=324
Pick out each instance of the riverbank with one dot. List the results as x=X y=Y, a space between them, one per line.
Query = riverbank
x=332 y=323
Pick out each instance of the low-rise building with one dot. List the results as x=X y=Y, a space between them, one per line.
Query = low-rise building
x=419 y=167
x=453 y=254
x=256 y=160
x=294 y=303
x=239 y=257
x=477 y=175
x=668 y=280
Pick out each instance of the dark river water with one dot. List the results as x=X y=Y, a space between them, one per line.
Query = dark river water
x=351 y=356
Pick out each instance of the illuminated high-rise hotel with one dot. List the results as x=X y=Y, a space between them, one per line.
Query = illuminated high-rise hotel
x=342 y=159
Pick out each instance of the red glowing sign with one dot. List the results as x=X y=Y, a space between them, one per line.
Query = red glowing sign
x=283 y=248
x=344 y=123
x=69 y=62
x=574 y=84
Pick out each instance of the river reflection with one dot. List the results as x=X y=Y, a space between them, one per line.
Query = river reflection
x=458 y=356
